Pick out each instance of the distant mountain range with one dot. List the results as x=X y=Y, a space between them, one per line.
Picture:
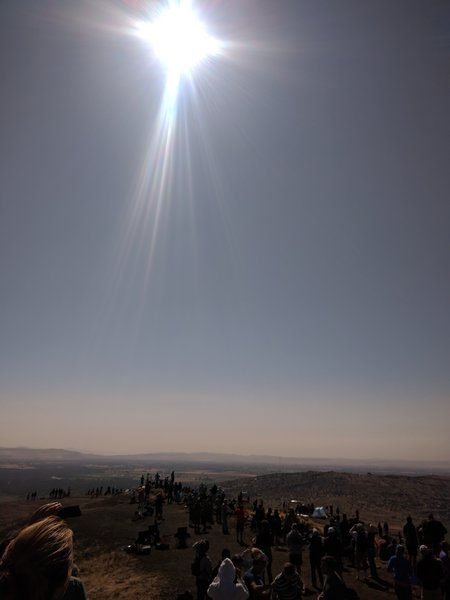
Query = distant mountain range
x=272 y=463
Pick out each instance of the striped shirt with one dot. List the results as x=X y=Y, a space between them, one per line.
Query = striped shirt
x=288 y=588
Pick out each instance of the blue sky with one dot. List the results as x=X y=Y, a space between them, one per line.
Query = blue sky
x=270 y=277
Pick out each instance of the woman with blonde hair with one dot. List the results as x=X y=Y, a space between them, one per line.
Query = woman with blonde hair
x=37 y=563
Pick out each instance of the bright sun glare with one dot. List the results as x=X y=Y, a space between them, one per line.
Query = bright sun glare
x=178 y=38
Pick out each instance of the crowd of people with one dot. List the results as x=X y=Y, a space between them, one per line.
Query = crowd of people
x=417 y=557
x=37 y=564
x=249 y=573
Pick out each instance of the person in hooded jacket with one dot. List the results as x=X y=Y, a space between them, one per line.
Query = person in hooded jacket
x=226 y=586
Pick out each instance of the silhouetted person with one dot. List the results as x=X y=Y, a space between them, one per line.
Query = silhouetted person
x=202 y=568
x=333 y=547
x=294 y=543
x=360 y=538
x=372 y=551
x=433 y=533
x=264 y=541
x=276 y=527
x=315 y=557
x=401 y=568
x=333 y=586
x=240 y=523
x=430 y=574
x=411 y=540
x=445 y=560
x=344 y=530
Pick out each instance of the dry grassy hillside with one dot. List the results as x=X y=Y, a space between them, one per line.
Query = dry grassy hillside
x=107 y=526
x=377 y=497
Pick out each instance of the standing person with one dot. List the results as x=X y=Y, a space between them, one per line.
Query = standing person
x=332 y=547
x=411 y=541
x=334 y=587
x=226 y=586
x=197 y=516
x=264 y=541
x=159 y=501
x=289 y=520
x=430 y=574
x=276 y=527
x=315 y=558
x=402 y=570
x=433 y=532
x=372 y=551
x=202 y=568
x=445 y=560
x=294 y=543
x=225 y=511
x=240 y=523
x=288 y=585
x=360 y=537
x=344 y=531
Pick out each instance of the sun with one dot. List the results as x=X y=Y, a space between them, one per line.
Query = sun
x=179 y=38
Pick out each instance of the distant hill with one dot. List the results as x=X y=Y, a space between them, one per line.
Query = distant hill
x=208 y=459
x=42 y=455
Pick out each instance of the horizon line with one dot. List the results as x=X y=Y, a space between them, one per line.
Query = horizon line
x=233 y=454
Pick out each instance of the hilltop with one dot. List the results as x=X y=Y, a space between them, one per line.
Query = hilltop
x=107 y=526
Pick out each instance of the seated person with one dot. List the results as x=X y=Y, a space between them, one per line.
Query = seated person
x=254 y=578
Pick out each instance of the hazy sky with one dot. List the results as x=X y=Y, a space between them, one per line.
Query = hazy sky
x=263 y=269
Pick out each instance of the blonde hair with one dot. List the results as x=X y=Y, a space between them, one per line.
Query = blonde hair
x=38 y=561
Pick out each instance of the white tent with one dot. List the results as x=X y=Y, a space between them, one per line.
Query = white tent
x=319 y=513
